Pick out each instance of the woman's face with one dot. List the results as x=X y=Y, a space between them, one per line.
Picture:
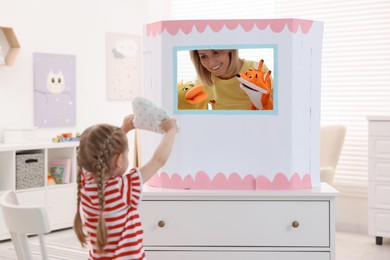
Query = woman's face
x=215 y=61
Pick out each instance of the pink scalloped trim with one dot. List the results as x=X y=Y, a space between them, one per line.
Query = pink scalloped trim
x=233 y=182
x=186 y=26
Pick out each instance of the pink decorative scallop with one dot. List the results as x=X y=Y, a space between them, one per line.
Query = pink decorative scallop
x=201 y=182
x=232 y=182
x=186 y=26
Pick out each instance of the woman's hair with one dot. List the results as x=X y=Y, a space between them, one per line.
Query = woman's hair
x=99 y=145
x=205 y=75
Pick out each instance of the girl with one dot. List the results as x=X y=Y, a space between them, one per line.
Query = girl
x=217 y=69
x=107 y=198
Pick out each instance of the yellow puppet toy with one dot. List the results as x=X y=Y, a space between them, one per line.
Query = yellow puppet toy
x=190 y=96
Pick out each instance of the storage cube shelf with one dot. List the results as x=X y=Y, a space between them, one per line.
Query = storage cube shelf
x=25 y=168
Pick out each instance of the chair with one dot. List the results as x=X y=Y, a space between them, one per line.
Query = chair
x=331 y=143
x=22 y=221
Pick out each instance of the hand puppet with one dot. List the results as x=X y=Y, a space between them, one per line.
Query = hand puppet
x=257 y=84
x=190 y=96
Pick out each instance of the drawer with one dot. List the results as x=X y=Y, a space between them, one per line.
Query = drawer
x=60 y=205
x=379 y=169
x=212 y=255
x=379 y=147
x=379 y=195
x=381 y=128
x=235 y=223
x=32 y=197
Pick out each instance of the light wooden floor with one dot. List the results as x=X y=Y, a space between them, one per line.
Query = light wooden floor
x=352 y=246
x=349 y=246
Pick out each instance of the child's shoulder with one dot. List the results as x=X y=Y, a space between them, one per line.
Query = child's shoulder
x=134 y=173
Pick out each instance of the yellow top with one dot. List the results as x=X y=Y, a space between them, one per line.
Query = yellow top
x=226 y=94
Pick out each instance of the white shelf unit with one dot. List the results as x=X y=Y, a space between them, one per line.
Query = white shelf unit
x=216 y=225
x=59 y=200
x=379 y=177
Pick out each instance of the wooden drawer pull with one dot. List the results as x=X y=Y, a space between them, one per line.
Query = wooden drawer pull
x=295 y=224
x=161 y=223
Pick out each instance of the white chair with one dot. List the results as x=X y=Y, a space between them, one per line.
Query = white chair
x=22 y=221
x=332 y=140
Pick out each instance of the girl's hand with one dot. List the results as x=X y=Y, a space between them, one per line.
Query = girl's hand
x=169 y=124
x=127 y=124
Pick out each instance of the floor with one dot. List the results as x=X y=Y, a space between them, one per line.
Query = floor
x=352 y=246
x=349 y=246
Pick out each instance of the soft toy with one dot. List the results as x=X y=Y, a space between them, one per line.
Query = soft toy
x=147 y=115
x=257 y=84
x=191 y=96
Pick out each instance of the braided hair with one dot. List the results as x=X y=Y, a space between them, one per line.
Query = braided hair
x=99 y=145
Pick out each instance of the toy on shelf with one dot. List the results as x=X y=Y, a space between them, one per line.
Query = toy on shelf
x=50 y=180
x=257 y=84
x=66 y=137
x=60 y=170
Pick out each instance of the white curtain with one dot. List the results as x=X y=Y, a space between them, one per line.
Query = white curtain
x=355 y=64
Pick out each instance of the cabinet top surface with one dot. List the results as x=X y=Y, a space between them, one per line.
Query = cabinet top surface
x=152 y=193
x=38 y=145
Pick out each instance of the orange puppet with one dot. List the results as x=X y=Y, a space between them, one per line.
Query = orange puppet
x=257 y=84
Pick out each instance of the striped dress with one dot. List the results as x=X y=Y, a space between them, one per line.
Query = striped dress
x=125 y=233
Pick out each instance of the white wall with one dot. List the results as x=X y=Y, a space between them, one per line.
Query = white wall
x=67 y=27
x=352 y=212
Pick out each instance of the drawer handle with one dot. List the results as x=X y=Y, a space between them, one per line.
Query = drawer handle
x=295 y=224
x=161 y=223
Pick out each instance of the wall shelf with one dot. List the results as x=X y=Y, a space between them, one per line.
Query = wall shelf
x=10 y=51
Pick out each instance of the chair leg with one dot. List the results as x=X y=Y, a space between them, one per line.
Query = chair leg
x=22 y=248
x=43 y=247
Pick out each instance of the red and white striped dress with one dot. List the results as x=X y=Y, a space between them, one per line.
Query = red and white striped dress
x=125 y=233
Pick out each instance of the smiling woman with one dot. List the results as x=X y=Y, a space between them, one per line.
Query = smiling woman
x=216 y=70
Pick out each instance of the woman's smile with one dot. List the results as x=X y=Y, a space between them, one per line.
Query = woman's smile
x=215 y=61
x=216 y=67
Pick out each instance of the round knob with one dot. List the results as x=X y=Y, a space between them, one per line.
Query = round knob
x=295 y=224
x=161 y=223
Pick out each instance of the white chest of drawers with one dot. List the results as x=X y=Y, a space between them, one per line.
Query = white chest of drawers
x=210 y=225
x=379 y=177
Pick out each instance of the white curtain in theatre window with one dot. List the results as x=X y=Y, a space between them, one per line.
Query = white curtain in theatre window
x=355 y=62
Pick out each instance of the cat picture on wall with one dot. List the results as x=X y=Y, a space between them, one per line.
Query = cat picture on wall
x=54 y=90
x=55 y=82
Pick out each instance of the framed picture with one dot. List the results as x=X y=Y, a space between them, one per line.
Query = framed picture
x=60 y=170
x=54 y=90
x=123 y=52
